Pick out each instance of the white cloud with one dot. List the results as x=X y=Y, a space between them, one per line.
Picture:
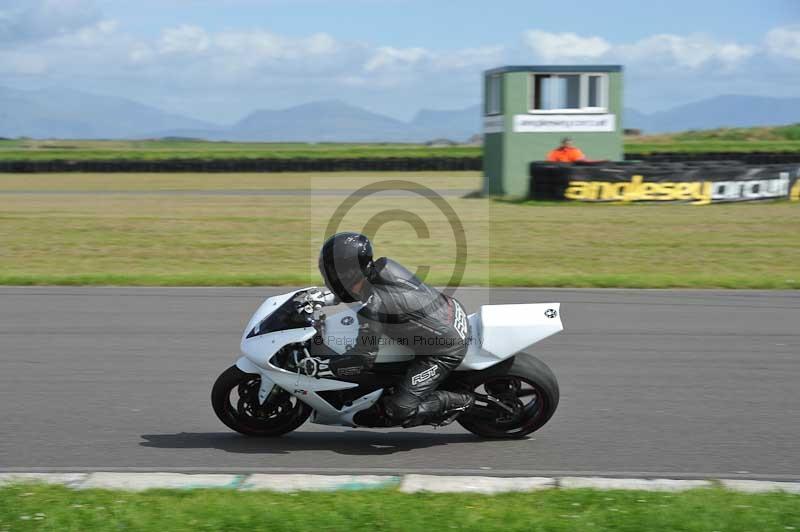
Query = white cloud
x=260 y=44
x=387 y=57
x=692 y=51
x=321 y=44
x=685 y=51
x=184 y=39
x=555 y=47
x=784 y=42
x=236 y=49
x=36 y=36
x=260 y=58
x=189 y=65
x=32 y=20
x=732 y=53
x=268 y=45
x=470 y=58
x=89 y=36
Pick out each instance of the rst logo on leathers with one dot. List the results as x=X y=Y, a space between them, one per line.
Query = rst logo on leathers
x=426 y=375
x=347 y=320
x=460 y=320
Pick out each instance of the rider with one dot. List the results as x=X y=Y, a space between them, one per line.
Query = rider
x=399 y=306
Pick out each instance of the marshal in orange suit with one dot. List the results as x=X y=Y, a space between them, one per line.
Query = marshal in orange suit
x=567 y=152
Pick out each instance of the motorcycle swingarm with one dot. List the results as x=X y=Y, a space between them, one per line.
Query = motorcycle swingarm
x=458 y=379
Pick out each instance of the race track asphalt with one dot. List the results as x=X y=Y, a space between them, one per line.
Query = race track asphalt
x=682 y=384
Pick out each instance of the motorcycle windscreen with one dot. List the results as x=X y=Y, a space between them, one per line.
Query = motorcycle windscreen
x=269 y=306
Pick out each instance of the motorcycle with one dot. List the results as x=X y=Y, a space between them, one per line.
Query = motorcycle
x=281 y=380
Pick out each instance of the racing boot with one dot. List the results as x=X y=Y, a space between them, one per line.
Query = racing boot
x=441 y=408
x=373 y=417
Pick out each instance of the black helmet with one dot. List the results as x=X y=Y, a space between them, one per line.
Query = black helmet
x=345 y=259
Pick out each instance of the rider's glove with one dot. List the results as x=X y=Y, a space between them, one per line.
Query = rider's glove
x=324 y=370
x=324 y=297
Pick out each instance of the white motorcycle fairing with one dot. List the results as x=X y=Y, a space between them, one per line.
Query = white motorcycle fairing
x=502 y=331
x=259 y=350
x=498 y=333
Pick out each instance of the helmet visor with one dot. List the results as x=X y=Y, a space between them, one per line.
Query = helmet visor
x=340 y=276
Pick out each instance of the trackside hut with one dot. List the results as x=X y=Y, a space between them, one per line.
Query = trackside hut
x=529 y=109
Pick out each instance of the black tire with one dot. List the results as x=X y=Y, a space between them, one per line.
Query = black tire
x=482 y=420
x=284 y=416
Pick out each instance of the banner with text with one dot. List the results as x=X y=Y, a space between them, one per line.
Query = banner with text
x=566 y=123
x=694 y=184
x=493 y=124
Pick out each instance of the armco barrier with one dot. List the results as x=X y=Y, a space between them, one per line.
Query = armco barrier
x=410 y=164
x=698 y=183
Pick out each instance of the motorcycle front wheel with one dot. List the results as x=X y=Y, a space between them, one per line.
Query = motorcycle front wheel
x=235 y=401
x=515 y=404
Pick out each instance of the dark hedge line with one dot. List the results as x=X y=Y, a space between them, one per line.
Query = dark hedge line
x=378 y=164
x=249 y=165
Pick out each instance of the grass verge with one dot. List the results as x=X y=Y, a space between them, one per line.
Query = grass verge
x=766 y=139
x=183 y=229
x=38 y=507
x=152 y=150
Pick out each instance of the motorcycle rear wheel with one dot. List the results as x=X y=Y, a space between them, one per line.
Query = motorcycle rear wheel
x=235 y=401
x=529 y=393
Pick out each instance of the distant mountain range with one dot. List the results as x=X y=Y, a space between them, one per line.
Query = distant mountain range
x=719 y=111
x=69 y=114
x=337 y=121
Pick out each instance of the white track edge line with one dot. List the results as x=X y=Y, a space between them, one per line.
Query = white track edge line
x=409 y=483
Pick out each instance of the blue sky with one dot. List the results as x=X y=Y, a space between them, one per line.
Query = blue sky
x=219 y=59
x=419 y=22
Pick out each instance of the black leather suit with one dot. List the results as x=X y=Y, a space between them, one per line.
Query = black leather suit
x=400 y=308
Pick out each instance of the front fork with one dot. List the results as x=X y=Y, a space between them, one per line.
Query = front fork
x=267 y=389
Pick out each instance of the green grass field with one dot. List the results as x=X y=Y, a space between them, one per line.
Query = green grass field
x=178 y=149
x=768 y=139
x=216 y=229
x=771 y=139
x=36 y=507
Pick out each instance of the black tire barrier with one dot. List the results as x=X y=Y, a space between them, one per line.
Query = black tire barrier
x=755 y=157
x=376 y=164
x=550 y=181
x=382 y=164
